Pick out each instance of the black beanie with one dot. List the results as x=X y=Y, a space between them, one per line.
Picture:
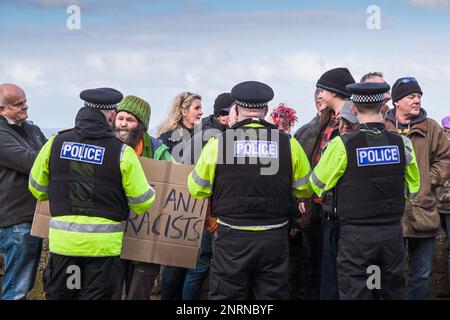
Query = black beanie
x=404 y=86
x=335 y=80
x=223 y=101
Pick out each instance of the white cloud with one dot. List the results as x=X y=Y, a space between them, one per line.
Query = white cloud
x=159 y=75
x=165 y=54
x=432 y=4
x=24 y=73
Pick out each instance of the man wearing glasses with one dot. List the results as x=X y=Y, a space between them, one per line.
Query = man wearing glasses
x=20 y=142
x=420 y=219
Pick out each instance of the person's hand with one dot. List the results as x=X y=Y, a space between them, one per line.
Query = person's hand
x=293 y=232
x=295 y=228
x=301 y=207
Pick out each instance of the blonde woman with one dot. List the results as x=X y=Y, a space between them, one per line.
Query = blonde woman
x=185 y=113
x=176 y=132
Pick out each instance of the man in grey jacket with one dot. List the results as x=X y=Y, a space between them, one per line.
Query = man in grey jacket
x=308 y=133
x=20 y=142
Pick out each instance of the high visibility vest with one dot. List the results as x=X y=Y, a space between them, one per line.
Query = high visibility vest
x=242 y=193
x=85 y=177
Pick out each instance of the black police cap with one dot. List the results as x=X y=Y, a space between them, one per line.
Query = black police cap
x=101 y=98
x=252 y=94
x=367 y=92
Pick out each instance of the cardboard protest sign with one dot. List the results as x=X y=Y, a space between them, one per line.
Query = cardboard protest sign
x=169 y=233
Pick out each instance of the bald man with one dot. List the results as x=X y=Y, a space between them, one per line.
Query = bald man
x=20 y=142
x=378 y=77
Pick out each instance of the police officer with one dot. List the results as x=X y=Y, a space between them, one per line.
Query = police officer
x=373 y=170
x=250 y=172
x=92 y=181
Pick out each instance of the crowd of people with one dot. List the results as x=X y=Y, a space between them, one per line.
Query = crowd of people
x=291 y=215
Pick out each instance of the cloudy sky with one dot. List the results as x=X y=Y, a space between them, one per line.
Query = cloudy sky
x=156 y=49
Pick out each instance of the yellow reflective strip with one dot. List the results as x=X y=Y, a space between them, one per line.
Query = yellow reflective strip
x=85 y=244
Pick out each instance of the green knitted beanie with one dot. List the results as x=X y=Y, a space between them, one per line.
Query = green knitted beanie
x=138 y=107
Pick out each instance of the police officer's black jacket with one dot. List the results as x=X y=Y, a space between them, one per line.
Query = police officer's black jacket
x=242 y=196
x=372 y=194
x=82 y=188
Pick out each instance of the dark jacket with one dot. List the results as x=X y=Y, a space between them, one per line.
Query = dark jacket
x=307 y=135
x=88 y=189
x=20 y=145
x=179 y=136
x=313 y=137
x=211 y=127
x=211 y=122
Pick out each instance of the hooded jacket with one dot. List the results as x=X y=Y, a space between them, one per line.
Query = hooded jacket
x=421 y=218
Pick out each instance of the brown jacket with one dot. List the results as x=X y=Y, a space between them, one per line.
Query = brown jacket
x=443 y=191
x=432 y=149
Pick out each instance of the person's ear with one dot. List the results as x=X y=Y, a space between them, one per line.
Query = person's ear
x=112 y=116
x=266 y=109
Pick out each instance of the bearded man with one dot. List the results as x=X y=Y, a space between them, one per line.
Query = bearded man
x=130 y=126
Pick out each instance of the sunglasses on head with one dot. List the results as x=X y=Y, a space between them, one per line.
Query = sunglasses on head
x=404 y=80
x=186 y=96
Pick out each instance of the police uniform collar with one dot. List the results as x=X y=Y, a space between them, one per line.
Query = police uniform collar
x=373 y=126
x=254 y=120
x=377 y=125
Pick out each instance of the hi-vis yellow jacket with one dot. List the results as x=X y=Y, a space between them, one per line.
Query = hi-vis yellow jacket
x=201 y=179
x=78 y=235
x=333 y=163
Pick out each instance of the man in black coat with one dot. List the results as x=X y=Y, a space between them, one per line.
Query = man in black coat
x=20 y=142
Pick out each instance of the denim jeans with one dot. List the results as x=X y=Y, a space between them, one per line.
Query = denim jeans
x=447 y=222
x=328 y=282
x=21 y=255
x=315 y=238
x=181 y=283
x=420 y=264
x=195 y=277
x=172 y=281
